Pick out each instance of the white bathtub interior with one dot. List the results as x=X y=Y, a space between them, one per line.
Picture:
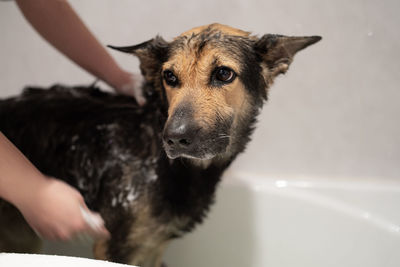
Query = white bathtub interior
x=260 y=221
x=297 y=221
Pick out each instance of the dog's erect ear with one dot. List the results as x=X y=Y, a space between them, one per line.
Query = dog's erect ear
x=151 y=54
x=277 y=52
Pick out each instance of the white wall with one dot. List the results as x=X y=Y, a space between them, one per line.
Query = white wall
x=335 y=113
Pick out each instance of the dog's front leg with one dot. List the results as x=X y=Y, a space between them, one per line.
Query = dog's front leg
x=100 y=250
x=136 y=255
x=154 y=257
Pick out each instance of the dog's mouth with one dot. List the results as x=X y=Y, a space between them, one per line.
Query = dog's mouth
x=187 y=137
x=201 y=156
x=202 y=147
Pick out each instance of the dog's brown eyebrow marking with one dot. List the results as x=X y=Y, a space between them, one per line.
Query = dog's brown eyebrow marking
x=171 y=68
x=215 y=63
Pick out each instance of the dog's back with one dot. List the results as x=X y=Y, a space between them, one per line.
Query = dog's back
x=79 y=134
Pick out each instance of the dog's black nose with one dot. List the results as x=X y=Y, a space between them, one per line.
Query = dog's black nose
x=180 y=133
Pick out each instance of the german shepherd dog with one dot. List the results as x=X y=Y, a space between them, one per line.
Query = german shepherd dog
x=150 y=171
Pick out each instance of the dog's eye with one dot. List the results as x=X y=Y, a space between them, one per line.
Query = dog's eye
x=225 y=74
x=170 y=78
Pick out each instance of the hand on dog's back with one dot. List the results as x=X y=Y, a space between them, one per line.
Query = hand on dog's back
x=132 y=87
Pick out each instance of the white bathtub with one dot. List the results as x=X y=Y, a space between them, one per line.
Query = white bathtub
x=34 y=260
x=296 y=222
x=291 y=222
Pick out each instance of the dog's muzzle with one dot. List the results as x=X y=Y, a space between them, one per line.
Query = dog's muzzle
x=180 y=137
x=183 y=137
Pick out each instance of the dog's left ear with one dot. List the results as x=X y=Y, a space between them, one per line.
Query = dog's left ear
x=277 y=52
x=151 y=54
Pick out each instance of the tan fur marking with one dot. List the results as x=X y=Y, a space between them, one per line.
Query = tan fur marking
x=100 y=250
x=150 y=236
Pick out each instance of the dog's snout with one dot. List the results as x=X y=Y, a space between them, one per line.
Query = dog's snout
x=180 y=133
x=180 y=130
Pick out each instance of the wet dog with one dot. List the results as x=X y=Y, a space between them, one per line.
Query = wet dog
x=150 y=171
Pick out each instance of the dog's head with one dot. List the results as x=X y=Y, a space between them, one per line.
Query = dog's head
x=214 y=78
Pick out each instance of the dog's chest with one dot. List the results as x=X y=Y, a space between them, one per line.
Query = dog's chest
x=158 y=197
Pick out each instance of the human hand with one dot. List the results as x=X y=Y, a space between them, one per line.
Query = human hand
x=82 y=47
x=131 y=85
x=55 y=213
